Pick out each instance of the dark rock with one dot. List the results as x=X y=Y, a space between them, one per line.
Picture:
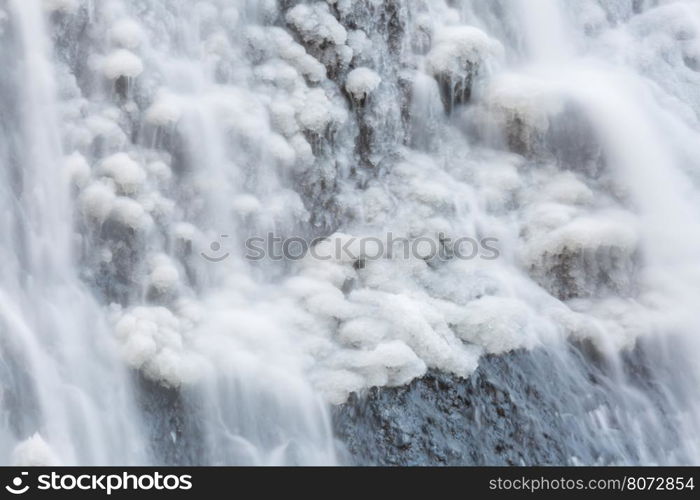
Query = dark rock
x=174 y=434
x=588 y=272
x=456 y=90
x=523 y=408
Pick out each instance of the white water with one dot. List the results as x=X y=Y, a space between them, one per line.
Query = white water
x=135 y=134
x=61 y=374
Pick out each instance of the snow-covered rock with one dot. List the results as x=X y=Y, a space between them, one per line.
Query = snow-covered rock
x=361 y=82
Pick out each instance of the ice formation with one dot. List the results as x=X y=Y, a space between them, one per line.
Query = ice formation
x=127 y=33
x=316 y=24
x=164 y=111
x=361 y=82
x=458 y=48
x=128 y=175
x=122 y=62
x=97 y=201
x=152 y=341
x=77 y=169
x=34 y=452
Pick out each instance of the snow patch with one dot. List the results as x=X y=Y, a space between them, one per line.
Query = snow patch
x=96 y=201
x=34 y=452
x=128 y=175
x=127 y=33
x=165 y=110
x=76 y=169
x=361 y=82
x=122 y=63
x=131 y=214
x=151 y=340
x=164 y=275
x=315 y=23
x=457 y=49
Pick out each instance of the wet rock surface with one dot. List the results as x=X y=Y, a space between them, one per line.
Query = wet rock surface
x=524 y=408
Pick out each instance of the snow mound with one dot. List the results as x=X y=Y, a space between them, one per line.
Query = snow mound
x=316 y=114
x=286 y=48
x=151 y=340
x=246 y=204
x=164 y=275
x=521 y=109
x=585 y=255
x=127 y=33
x=498 y=324
x=96 y=202
x=34 y=452
x=131 y=214
x=76 y=169
x=160 y=171
x=128 y=175
x=122 y=63
x=164 y=111
x=316 y=24
x=458 y=49
x=361 y=82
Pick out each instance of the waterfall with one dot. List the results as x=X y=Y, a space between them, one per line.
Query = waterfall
x=65 y=392
x=157 y=156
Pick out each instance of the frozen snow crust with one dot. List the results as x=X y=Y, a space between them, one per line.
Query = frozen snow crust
x=319 y=120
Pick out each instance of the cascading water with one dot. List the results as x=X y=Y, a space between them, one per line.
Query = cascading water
x=143 y=142
x=62 y=381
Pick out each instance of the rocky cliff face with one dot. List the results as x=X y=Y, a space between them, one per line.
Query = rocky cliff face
x=523 y=408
